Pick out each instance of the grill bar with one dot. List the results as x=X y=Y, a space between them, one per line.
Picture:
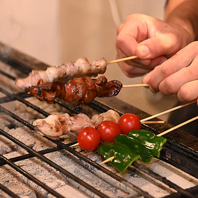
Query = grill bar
x=30 y=155
x=104 y=170
x=28 y=104
x=193 y=190
x=29 y=176
x=51 y=163
x=7 y=75
x=163 y=179
x=9 y=192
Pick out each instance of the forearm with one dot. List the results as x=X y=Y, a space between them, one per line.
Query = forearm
x=183 y=13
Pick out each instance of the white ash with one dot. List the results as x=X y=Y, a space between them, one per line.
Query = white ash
x=25 y=135
x=12 y=181
x=7 y=146
x=94 y=180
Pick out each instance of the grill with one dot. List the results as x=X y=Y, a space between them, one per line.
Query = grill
x=32 y=165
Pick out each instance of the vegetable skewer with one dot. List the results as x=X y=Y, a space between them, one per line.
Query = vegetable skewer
x=142 y=143
x=145 y=121
x=134 y=134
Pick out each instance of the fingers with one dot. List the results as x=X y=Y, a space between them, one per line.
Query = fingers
x=125 y=47
x=157 y=46
x=188 y=92
x=178 y=75
x=152 y=40
x=172 y=84
x=133 y=69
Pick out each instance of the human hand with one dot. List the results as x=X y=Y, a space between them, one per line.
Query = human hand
x=178 y=75
x=151 y=39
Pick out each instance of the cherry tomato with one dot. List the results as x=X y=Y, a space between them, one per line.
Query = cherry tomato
x=108 y=130
x=88 y=138
x=129 y=122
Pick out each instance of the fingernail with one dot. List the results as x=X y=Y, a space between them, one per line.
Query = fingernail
x=143 y=51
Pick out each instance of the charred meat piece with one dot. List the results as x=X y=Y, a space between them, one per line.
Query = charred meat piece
x=64 y=72
x=57 y=125
x=82 y=89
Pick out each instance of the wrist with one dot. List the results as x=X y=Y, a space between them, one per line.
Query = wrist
x=183 y=14
x=185 y=29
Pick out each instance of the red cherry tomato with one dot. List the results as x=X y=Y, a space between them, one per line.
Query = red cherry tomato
x=88 y=138
x=108 y=130
x=129 y=122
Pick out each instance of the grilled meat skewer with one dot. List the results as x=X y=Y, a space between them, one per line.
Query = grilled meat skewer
x=57 y=125
x=64 y=72
x=82 y=89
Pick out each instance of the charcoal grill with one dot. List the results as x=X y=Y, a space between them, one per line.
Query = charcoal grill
x=51 y=168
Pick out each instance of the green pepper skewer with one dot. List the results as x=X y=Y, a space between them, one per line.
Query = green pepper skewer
x=149 y=140
x=136 y=147
x=123 y=156
x=138 y=144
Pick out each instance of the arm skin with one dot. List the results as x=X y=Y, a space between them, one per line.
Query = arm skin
x=154 y=40
x=183 y=13
x=179 y=74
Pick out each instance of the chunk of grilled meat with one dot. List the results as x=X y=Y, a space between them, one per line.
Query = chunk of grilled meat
x=64 y=72
x=57 y=125
x=82 y=89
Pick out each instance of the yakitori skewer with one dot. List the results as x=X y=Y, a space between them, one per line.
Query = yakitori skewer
x=67 y=71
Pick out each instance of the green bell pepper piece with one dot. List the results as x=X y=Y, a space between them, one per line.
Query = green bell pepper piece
x=123 y=156
x=149 y=140
x=136 y=147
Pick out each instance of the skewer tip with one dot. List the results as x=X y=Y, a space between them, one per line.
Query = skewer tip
x=107 y=160
x=74 y=145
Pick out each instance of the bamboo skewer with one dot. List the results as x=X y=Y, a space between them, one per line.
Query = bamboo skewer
x=167 y=111
x=74 y=145
x=107 y=160
x=125 y=59
x=122 y=59
x=153 y=122
x=179 y=125
x=135 y=85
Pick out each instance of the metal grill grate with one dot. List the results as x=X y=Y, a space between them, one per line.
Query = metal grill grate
x=106 y=181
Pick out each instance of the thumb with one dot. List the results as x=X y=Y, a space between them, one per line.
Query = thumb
x=155 y=47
